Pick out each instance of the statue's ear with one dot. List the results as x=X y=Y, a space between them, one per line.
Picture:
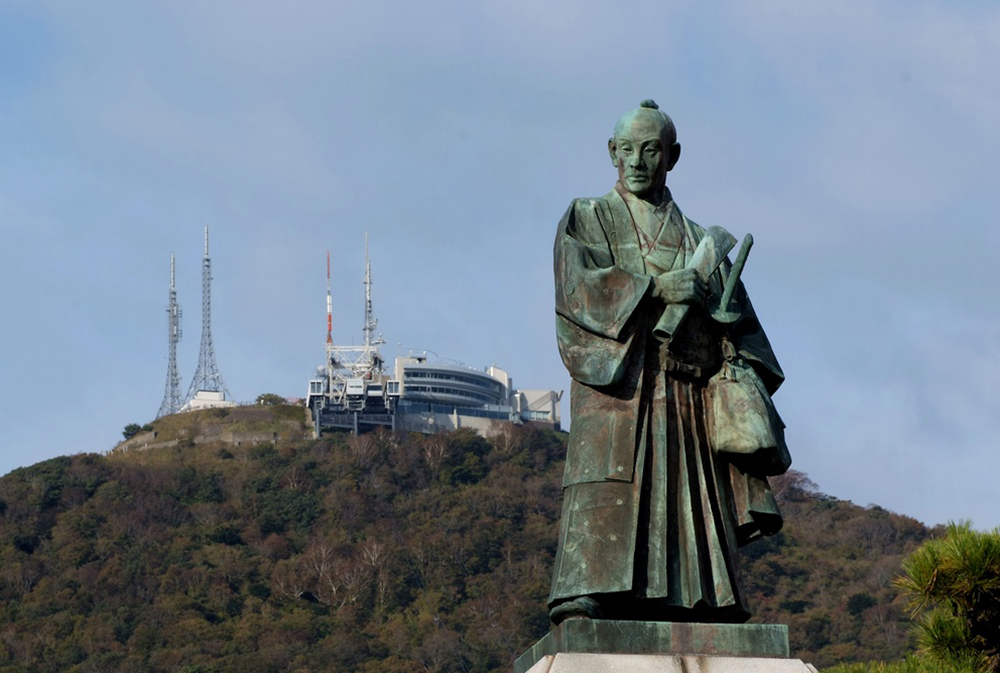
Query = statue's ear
x=675 y=154
x=613 y=151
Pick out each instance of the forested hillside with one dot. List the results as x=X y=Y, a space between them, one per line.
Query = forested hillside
x=828 y=575
x=374 y=554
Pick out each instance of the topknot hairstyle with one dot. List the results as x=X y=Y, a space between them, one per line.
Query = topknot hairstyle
x=649 y=104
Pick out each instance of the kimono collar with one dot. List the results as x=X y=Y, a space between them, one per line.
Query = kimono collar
x=648 y=219
x=659 y=207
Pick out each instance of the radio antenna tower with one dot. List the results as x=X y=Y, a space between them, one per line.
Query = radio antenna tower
x=207 y=376
x=350 y=364
x=371 y=323
x=172 y=395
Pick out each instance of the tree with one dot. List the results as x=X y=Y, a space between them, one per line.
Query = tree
x=954 y=583
x=270 y=399
x=131 y=430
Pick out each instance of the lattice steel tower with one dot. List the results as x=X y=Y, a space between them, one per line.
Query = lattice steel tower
x=172 y=395
x=207 y=376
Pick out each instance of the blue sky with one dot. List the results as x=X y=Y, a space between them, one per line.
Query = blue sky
x=857 y=141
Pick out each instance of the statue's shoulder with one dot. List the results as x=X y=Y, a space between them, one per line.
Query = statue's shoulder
x=588 y=219
x=592 y=203
x=592 y=208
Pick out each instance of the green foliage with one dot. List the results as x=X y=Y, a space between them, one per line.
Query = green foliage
x=195 y=486
x=381 y=553
x=270 y=399
x=133 y=429
x=378 y=553
x=860 y=602
x=911 y=664
x=279 y=508
x=828 y=576
x=953 y=583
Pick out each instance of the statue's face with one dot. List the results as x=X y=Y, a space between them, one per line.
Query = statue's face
x=640 y=155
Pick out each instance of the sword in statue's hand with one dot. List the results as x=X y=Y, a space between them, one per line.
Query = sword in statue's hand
x=721 y=312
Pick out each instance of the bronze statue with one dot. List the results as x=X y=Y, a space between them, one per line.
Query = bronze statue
x=673 y=433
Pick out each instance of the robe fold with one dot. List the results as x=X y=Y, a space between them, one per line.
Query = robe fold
x=652 y=517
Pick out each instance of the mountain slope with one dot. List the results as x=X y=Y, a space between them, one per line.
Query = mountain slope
x=378 y=553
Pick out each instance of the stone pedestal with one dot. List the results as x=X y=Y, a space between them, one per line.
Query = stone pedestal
x=606 y=646
x=664 y=663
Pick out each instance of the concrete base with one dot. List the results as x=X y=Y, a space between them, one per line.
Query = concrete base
x=569 y=662
x=604 y=636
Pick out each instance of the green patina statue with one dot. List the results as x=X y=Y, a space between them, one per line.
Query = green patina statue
x=673 y=433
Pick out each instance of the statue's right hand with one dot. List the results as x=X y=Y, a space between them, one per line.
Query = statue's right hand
x=680 y=287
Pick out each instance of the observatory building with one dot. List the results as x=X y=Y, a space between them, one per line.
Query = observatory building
x=353 y=392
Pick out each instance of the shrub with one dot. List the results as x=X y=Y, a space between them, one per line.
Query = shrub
x=954 y=584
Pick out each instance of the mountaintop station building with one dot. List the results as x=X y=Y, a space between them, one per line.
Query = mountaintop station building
x=428 y=397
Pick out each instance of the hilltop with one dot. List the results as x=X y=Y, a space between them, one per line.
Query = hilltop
x=394 y=554
x=271 y=423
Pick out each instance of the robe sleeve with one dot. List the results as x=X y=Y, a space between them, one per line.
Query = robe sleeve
x=751 y=342
x=747 y=334
x=596 y=300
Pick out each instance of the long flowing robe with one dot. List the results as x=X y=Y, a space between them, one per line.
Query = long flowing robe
x=652 y=518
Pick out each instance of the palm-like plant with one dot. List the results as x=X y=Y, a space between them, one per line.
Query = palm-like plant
x=953 y=584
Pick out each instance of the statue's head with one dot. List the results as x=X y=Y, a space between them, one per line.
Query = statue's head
x=643 y=149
